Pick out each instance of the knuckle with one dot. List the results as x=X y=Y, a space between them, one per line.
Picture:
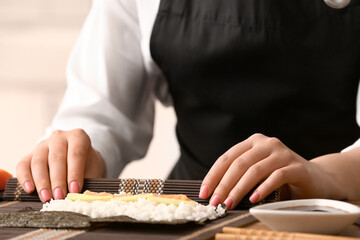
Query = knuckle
x=279 y=157
x=257 y=136
x=281 y=173
x=78 y=132
x=240 y=163
x=56 y=133
x=81 y=135
x=302 y=168
x=55 y=157
x=256 y=170
x=77 y=153
x=287 y=154
x=273 y=141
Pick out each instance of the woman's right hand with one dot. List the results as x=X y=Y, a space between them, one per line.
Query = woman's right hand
x=59 y=164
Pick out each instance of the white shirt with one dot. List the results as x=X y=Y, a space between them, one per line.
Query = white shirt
x=112 y=82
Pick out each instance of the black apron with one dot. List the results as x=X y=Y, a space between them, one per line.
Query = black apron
x=288 y=69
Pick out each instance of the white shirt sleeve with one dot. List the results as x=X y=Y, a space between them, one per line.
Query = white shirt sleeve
x=109 y=94
x=357 y=143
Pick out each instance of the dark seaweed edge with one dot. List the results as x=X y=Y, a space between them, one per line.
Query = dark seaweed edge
x=31 y=218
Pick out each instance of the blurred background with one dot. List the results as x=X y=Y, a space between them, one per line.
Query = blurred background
x=36 y=37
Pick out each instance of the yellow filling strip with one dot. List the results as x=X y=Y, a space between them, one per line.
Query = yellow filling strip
x=166 y=199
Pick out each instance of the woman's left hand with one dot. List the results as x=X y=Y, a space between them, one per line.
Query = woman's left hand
x=260 y=160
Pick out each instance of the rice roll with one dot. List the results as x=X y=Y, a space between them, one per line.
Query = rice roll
x=141 y=207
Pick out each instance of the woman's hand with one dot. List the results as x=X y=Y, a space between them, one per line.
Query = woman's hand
x=265 y=161
x=60 y=163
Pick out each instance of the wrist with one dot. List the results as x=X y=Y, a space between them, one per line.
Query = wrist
x=332 y=184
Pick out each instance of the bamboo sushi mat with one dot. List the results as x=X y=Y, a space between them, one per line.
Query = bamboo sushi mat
x=226 y=228
x=16 y=199
x=124 y=230
x=14 y=191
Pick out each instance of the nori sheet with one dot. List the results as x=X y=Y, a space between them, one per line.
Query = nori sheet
x=31 y=218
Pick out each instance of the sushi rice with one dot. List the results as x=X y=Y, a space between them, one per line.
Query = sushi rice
x=142 y=210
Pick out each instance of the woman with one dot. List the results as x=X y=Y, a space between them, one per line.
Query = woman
x=237 y=73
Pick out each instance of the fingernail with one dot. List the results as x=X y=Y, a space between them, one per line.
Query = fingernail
x=45 y=195
x=254 y=197
x=58 y=194
x=74 y=187
x=215 y=200
x=28 y=187
x=204 y=190
x=228 y=202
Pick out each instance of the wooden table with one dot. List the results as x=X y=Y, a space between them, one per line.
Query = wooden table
x=141 y=231
x=351 y=231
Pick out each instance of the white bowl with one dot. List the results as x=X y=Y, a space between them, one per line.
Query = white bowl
x=309 y=215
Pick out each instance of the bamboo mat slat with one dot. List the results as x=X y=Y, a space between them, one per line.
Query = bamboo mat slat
x=191 y=188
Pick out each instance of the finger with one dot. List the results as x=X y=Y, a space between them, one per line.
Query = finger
x=220 y=167
x=40 y=172
x=58 y=166
x=254 y=175
x=78 y=149
x=236 y=171
x=23 y=174
x=278 y=178
x=94 y=159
